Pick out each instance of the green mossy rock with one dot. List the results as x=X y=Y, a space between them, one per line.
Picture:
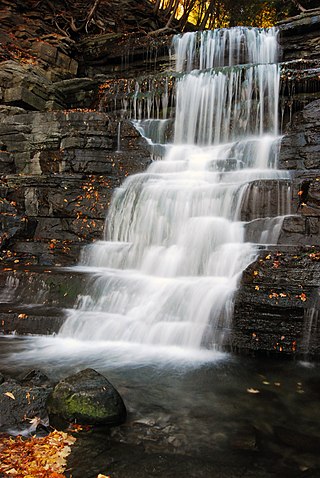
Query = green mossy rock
x=89 y=398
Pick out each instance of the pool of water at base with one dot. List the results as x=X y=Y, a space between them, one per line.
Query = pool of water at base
x=209 y=415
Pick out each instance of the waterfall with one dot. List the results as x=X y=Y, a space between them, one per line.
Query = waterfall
x=175 y=243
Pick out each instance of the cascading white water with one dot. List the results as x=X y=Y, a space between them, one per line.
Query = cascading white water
x=174 y=245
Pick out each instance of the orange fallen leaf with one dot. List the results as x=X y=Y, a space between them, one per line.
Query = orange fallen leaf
x=22 y=316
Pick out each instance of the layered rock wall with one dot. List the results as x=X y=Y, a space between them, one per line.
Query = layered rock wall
x=277 y=304
x=61 y=158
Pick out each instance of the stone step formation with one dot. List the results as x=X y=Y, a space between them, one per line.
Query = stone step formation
x=60 y=161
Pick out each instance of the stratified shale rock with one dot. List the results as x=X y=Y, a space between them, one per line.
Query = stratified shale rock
x=66 y=165
x=277 y=305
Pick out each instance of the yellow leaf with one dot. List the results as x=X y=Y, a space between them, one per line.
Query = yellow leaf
x=22 y=316
x=9 y=394
x=253 y=390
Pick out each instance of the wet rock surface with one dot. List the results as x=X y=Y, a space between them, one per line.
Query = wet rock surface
x=62 y=170
x=66 y=166
x=89 y=398
x=86 y=397
x=23 y=403
x=300 y=36
x=277 y=304
x=300 y=147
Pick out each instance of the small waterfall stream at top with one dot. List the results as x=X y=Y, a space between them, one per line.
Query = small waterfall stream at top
x=165 y=275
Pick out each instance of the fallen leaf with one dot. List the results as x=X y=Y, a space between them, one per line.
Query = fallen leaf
x=34 y=422
x=9 y=394
x=22 y=316
x=253 y=390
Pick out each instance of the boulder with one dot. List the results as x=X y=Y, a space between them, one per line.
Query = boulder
x=89 y=398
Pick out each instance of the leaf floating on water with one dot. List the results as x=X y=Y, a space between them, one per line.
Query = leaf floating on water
x=10 y=395
x=253 y=390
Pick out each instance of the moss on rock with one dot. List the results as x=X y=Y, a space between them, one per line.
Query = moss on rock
x=87 y=397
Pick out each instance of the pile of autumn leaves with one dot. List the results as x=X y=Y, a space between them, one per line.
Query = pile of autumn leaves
x=36 y=457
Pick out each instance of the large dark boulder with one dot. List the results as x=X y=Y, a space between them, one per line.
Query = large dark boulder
x=89 y=398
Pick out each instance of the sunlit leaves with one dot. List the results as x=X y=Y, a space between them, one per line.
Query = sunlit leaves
x=35 y=457
x=213 y=14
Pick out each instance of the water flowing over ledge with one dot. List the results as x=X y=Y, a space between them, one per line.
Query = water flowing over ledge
x=175 y=243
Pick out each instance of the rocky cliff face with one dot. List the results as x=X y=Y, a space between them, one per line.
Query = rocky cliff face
x=61 y=156
x=277 y=305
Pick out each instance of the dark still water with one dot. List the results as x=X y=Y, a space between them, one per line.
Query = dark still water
x=216 y=415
